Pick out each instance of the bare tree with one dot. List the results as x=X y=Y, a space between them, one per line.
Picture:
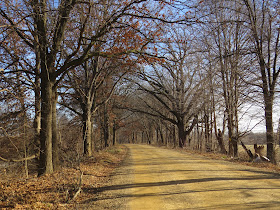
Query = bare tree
x=15 y=120
x=229 y=42
x=261 y=19
x=59 y=39
x=173 y=87
x=89 y=88
x=226 y=42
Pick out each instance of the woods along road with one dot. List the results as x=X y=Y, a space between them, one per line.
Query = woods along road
x=156 y=178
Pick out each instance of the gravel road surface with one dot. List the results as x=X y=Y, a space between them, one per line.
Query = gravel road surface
x=155 y=178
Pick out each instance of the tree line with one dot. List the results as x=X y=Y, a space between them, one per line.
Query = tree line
x=120 y=68
x=213 y=76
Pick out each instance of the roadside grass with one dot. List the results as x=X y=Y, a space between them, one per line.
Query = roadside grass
x=241 y=159
x=243 y=155
x=58 y=190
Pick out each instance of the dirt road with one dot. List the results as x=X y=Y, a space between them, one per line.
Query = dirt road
x=156 y=178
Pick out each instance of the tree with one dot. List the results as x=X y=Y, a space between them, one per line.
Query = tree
x=59 y=39
x=90 y=87
x=229 y=39
x=15 y=120
x=261 y=20
x=173 y=87
x=226 y=41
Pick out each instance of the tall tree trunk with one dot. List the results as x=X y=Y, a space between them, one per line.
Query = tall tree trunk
x=181 y=134
x=157 y=135
x=269 y=128
x=230 y=140
x=114 y=133
x=266 y=37
x=55 y=146
x=221 y=142
x=207 y=131
x=47 y=81
x=23 y=119
x=45 y=162
x=167 y=140
x=106 y=126
x=135 y=137
x=87 y=132
x=161 y=135
x=268 y=94
x=37 y=118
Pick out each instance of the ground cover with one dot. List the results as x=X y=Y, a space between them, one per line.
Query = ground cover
x=63 y=189
x=242 y=157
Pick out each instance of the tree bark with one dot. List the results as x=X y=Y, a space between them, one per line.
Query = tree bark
x=221 y=142
x=161 y=135
x=37 y=118
x=248 y=151
x=106 y=127
x=181 y=134
x=230 y=141
x=208 y=146
x=87 y=132
x=55 y=143
x=234 y=141
x=269 y=129
x=45 y=162
x=114 y=133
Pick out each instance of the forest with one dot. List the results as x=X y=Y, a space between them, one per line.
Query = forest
x=80 y=76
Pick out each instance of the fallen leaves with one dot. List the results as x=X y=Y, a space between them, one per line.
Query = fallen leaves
x=56 y=190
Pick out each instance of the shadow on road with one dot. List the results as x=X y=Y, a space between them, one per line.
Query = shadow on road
x=204 y=171
x=188 y=181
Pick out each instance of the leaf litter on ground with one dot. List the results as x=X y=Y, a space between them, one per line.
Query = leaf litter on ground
x=56 y=191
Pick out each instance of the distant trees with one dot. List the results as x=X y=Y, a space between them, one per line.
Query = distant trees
x=225 y=46
x=90 y=86
x=241 y=46
x=15 y=119
x=173 y=86
x=235 y=39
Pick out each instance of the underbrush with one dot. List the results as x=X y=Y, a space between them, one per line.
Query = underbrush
x=64 y=189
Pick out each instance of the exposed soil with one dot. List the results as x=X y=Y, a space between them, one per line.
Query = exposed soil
x=168 y=179
x=114 y=194
x=149 y=178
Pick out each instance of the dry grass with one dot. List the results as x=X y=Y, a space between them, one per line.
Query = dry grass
x=57 y=190
x=243 y=155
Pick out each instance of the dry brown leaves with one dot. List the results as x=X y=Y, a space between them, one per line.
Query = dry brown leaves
x=56 y=190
